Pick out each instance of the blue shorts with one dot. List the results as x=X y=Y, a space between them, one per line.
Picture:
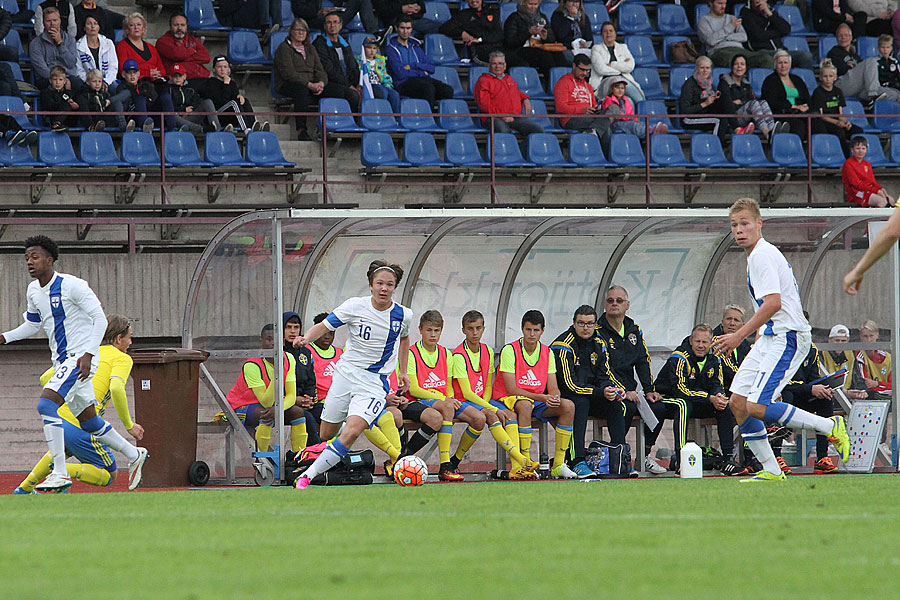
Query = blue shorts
x=88 y=449
x=466 y=404
x=537 y=408
x=247 y=415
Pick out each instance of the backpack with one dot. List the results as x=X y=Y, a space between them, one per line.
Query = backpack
x=609 y=461
x=683 y=52
x=357 y=468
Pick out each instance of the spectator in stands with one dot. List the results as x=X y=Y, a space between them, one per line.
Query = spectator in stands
x=828 y=15
x=141 y=95
x=66 y=17
x=888 y=71
x=724 y=37
x=339 y=62
x=306 y=374
x=134 y=47
x=54 y=47
x=57 y=98
x=574 y=96
x=391 y=10
x=96 y=51
x=411 y=68
x=736 y=96
x=618 y=104
x=874 y=365
x=828 y=100
x=861 y=78
x=227 y=98
x=844 y=54
x=765 y=28
x=572 y=28
x=187 y=102
x=496 y=93
x=94 y=98
x=877 y=14
x=8 y=84
x=698 y=96
x=611 y=59
x=525 y=33
x=628 y=356
x=479 y=28
x=732 y=320
x=691 y=385
x=299 y=73
x=108 y=20
x=178 y=46
x=376 y=70
x=860 y=186
x=250 y=14
x=314 y=13
x=786 y=93
x=7 y=52
x=835 y=360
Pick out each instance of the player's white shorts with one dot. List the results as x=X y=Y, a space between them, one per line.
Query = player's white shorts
x=769 y=366
x=78 y=394
x=355 y=391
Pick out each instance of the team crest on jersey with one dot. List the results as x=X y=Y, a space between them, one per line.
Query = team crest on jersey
x=884 y=370
x=594 y=358
x=632 y=339
x=710 y=372
x=303 y=360
x=395 y=326
x=54 y=302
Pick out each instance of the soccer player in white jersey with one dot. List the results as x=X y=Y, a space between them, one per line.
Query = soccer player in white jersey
x=783 y=341
x=378 y=339
x=72 y=317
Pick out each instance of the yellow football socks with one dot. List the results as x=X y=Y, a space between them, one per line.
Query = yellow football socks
x=38 y=473
x=299 y=435
x=502 y=438
x=444 y=436
x=379 y=439
x=89 y=474
x=263 y=437
x=465 y=442
x=524 y=440
x=563 y=437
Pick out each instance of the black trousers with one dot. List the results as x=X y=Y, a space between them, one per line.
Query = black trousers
x=598 y=407
x=679 y=410
x=658 y=408
x=426 y=88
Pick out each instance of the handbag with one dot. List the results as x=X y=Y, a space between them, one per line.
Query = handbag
x=683 y=52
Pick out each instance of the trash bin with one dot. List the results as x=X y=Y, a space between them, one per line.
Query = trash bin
x=166 y=382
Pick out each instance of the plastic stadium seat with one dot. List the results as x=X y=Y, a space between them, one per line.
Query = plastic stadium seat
x=665 y=150
x=625 y=149
x=56 y=149
x=585 y=151
x=757 y=76
x=11 y=103
x=275 y=40
x=826 y=151
x=462 y=119
x=12 y=39
x=787 y=150
x=633 y=19
x=895 y=149
x=792 y=15
x=474 y=74
x=700 y=10
x=539 y=116
x=547 y=9
x=747 y=151
x=139 y=149
x=857 y=115
x=556 y=73
x=383 y=120
x=678 y=75
x=529 y=82
x=355 y=24
x=378 y=151
x=449 y=76
x=887 y=107
x=657 y=107
x=506 y=9
x=544 y=151
x=706 y=151
x=201 y=16
x=287 y=14
x=461 y=149
x=181 y=150
x=506 y=151
x=641 y=47
x=441 y=50
x=356 y=39
x=597 y=14
x=17 y=156
x=97 y=149
x=672 y=20
x=264 y=150
x=808 y=77
x=222 y=149
x=867 y=47
x=420 y=117
x=875 y=154
x=438 y=12
x=420 y=150
x=826 y=43
x=717 y=73
x=649 y=81
x=795 y=44
x=667 y=43
x=338 y=117
x=244 y=49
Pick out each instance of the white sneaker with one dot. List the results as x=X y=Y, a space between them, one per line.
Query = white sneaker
x=563 y=472
x=134 y=468
x=54 y=483
x=654 y=467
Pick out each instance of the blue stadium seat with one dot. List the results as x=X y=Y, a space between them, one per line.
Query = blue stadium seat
x=597 y=14
x=795 y=43
x=221 y=148
x=792 y=15
x=383 y=120
x=461 y=149
x=338 y=117
x=808 y=77
x=633 y=19
x=556 y=73
x=826 y=151
x=649 y=81
x=244 y=49
x=97 y=149
x=11 y=103
x=355 y=24
x=201 y=16
x=826 y=43
x=625 y=149
x=706 y=151
x=420 y=117
x=672 y=20
x=787 y=150
x=544 y=151
x=539 y=116
x=10 y=6
x=438 y=12
x=378 y=151
x=665 y=151
x=856 y=114
x=181 y=150
x=12 y=40
x=17 y=156
x=717 y=73
x=119 y=34
x=867 y=47
x=506 y=151
x=700 y=10
x=475 y=74
x=641 y=47
x=356 y=39
x=747 y=151
x=287 y=14
x=449 y=76
x=678 y=75
x=757 y=76
x=547 y=9
x=461 y=119
x=139 y=149
x=529 y=82
x=420 y=150
x=667 y=44
x=657 y=107
x=264 y=150
x=56 y=149
x=275 y=40
x=585 y=151
x=895 y=149
x=506 y=9
x=875 y=154
x=887 y=107
x=441 y=50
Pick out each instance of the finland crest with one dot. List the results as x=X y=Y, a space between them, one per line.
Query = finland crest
x=395 y=326
x=54 y=302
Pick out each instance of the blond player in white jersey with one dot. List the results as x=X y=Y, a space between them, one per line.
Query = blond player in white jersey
x=378 y=339
x=783 y=341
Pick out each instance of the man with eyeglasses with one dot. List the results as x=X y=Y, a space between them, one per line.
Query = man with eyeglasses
x=574 y=96
x=628 y=356
x=583 y=376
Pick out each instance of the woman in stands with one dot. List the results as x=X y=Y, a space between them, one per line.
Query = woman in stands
x=572 y=28
x=299 y=73
x=610 y=59
x=525 y=33
x=699 y=97
x=787 y=94
x=96 y=51
x=134 y=46
x=736 y=96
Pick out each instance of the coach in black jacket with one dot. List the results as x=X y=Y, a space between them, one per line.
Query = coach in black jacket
x=479 y=28
x=306 y=375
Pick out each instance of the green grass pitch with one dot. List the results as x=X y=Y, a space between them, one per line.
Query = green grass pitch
x=820 y=537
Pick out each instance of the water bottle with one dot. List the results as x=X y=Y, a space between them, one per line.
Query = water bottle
x=501 y=474
x=691 y=461
x=544 y=468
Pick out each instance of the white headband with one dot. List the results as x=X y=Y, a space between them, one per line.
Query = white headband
x=385 y=267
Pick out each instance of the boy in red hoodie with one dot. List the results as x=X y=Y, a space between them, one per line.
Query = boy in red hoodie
x=859 y=180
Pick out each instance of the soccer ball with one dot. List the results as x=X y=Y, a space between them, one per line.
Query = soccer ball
x=410 y=470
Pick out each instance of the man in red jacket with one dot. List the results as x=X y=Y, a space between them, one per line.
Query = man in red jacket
x=177 y=46
x=859 y=180
x=496 y=93
x=575 y=96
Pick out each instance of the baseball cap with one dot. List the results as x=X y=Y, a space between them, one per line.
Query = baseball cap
x=177 y=68
x=839 y=330
x=618 y=79
x=219 y=58
x=130 y=65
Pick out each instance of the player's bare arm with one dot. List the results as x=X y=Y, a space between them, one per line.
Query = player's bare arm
x=885 y=239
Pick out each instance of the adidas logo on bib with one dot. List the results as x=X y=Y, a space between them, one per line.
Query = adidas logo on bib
x=529 y=379
x=329 y=370
x=432 y=381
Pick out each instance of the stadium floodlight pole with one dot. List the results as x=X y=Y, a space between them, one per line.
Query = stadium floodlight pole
x=278 y=370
